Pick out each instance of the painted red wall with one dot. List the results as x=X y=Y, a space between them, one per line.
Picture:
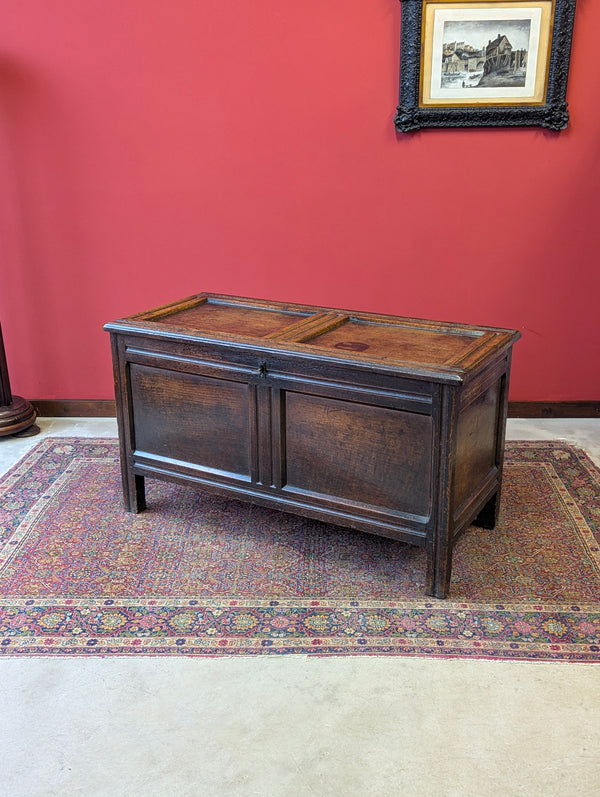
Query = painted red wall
x=151 y=150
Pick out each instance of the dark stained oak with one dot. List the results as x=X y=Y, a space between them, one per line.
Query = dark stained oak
x=388 y=425
x=334 y=448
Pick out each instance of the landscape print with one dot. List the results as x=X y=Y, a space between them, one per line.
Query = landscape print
x=485 y=53
x=476 y=63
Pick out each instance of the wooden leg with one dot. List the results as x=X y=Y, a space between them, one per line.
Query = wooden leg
x=439 y=564
x=488 y=516
x=134 y=493
x=438 y=579
x=440 y=537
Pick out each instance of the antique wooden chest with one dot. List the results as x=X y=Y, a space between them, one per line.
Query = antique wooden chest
x=392 y=426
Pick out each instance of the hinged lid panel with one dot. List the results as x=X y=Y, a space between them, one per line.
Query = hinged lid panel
x=446 y=351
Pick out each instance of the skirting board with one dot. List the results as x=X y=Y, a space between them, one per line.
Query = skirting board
x=73 y=408
x=70 y=408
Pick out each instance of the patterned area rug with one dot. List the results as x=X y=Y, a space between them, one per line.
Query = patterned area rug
x=201 y=575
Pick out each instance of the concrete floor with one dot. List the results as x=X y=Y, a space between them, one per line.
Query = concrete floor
x=297 y=726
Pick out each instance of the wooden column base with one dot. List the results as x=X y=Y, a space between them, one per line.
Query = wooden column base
x=18 y=417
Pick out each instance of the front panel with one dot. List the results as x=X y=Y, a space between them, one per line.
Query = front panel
x=191 y=418
x=358 y=454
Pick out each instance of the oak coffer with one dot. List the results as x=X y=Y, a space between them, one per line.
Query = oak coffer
x=393 y=426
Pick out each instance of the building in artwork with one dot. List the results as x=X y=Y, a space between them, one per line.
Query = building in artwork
x=461 y=57
x=499 y=56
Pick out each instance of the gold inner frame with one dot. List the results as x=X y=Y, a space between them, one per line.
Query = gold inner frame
x=538 y=97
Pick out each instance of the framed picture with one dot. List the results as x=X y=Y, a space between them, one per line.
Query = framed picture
x=474 y=63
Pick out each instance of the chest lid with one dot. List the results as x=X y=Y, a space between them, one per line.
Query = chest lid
x=445 y=351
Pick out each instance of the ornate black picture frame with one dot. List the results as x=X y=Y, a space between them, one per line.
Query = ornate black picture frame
x=469 y=63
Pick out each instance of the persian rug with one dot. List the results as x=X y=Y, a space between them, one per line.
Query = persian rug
x=202 y=575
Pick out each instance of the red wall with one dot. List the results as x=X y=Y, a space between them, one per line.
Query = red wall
x=150 y=150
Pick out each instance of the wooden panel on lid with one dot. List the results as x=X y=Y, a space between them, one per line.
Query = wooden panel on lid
x=233 y=319
x=400 y=343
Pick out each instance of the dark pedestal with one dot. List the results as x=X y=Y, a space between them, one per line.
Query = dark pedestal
x=17 y=415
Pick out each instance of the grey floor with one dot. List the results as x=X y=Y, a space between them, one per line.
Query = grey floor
x=298 y=726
